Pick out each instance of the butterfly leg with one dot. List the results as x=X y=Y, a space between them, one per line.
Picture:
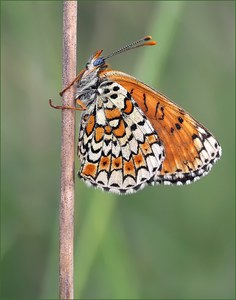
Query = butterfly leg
x=70 y=85
x=83 y=107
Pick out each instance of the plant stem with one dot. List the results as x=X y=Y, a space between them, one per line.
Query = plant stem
x=66 y=282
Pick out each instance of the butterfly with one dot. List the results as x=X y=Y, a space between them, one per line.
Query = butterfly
x=131 y=135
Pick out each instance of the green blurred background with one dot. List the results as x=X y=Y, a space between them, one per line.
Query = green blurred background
x=161 y=243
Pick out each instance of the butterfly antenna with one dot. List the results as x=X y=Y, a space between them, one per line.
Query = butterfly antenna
x=145 y=41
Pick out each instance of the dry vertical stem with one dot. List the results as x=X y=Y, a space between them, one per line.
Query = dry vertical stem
x=66 y=286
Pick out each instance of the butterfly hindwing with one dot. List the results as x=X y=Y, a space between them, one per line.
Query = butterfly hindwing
x=118 y=147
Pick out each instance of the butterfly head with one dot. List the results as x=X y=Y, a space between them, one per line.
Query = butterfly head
x=96 y=62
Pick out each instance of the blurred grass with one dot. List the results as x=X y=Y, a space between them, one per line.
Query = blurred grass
x=165 y=39
x=164 y=242
x=90 y=236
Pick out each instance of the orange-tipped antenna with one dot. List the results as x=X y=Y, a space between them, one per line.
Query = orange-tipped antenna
x=148 y=38
x=145 y=41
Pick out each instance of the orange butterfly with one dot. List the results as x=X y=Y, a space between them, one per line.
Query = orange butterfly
x=131 y=135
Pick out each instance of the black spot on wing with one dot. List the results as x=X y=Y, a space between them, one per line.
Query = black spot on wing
x=156 y=111
x=163 y=114
x=177 y=126
x=116 y=88
x=145 y=101
x=114 y=96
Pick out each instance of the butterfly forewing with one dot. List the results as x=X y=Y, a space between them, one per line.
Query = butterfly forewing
x=190 y=149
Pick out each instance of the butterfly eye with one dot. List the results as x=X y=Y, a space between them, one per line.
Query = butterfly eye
x=98 y=62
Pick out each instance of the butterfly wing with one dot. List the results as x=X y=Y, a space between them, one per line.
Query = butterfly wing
x=118 y=147
x=190 y=149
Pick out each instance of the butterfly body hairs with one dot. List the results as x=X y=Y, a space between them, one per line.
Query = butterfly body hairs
x=131 y=135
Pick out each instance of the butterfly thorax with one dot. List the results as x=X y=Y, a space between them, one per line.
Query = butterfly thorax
x=87 y=86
